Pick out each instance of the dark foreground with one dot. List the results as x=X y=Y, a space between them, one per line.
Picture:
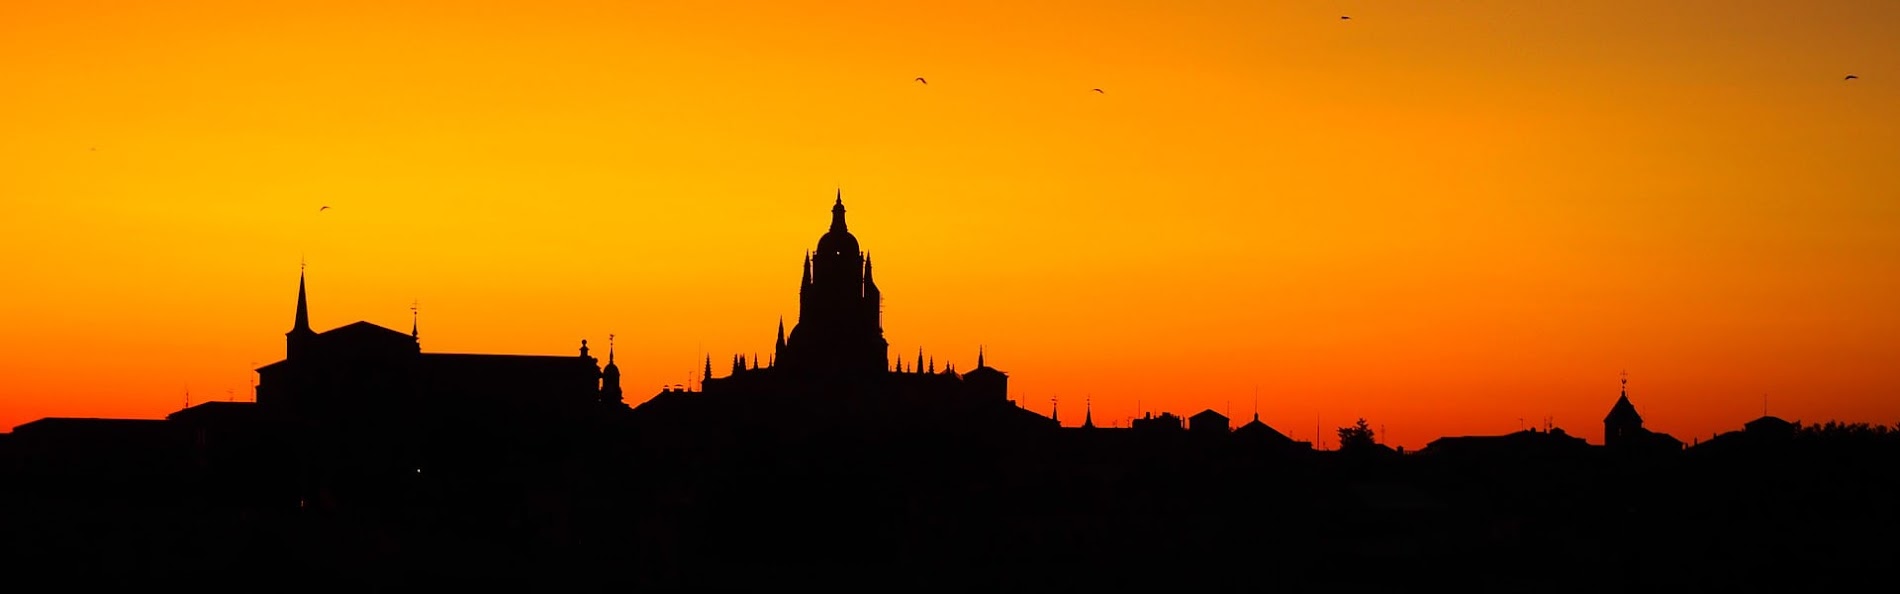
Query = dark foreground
x=584 y=512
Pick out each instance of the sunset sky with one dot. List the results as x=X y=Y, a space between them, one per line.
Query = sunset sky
x=1443 y=217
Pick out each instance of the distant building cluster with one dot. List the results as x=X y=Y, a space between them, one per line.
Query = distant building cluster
x=833 y=366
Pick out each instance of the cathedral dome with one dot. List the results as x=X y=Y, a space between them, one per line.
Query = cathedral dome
x=838 y=240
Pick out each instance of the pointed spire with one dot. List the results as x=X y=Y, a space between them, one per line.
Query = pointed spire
x=933 y=365
x=837 y=213
x=302 y=325
x=920 y=361
x=610 y=377
x=780 y=346
x=807 y=280
x=415 y=316
x=1088 y=413
x=979 y=357
x=867 y=270
x=708 y=373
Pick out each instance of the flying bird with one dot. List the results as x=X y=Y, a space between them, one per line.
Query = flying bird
x=1099 y=91
x=921 y=80
x=1345 y=18
x=321 y=209
x=1850 y=77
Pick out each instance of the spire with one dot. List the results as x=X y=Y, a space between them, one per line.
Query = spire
x=1088 y=414
x=920 y=361
x=1053 y=411
x=837 y=213
x=302 y=325
x=415 y=316
x=610 y=377
x=708 y=373
x=933 y=365
x=807 y=280
x=867 y=271
x=979 y=357
x=780 y=347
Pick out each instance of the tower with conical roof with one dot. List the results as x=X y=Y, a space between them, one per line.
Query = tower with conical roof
x=839 y=332
x=1623 y=424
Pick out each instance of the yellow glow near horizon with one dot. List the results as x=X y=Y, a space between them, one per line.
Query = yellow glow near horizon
x=1442 y=218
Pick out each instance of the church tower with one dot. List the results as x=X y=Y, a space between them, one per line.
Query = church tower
x=840 y=330
x=610 y=378
x=1623 y=425
x=298 y=340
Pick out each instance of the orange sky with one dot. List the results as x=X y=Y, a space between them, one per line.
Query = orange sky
x=1442 y=217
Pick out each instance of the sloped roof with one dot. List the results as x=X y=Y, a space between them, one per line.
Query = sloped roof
x=1768 y=423
x=1623 y=412
x=366 y=330
x=1257 y=430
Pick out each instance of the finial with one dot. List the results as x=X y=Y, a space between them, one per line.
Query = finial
x=583 y=347
x=610 y=349
x=414 y=318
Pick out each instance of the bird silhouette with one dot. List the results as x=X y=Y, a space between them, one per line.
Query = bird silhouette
x=1099 y=91
x=921 y=80
x=1850 y=77
x=1345 y=18
x=321 y=209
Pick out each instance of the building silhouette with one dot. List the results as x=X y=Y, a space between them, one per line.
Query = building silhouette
x=834 y=367
x=364 y=371
x=1623 y=428
x=830 y=462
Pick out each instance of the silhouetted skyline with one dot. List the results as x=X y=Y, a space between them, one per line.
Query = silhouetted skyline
x=1442 y=218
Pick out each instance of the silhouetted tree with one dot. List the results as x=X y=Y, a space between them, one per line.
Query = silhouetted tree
x=1356 y=437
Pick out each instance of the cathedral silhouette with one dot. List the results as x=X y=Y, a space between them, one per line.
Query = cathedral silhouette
x=834 y=367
